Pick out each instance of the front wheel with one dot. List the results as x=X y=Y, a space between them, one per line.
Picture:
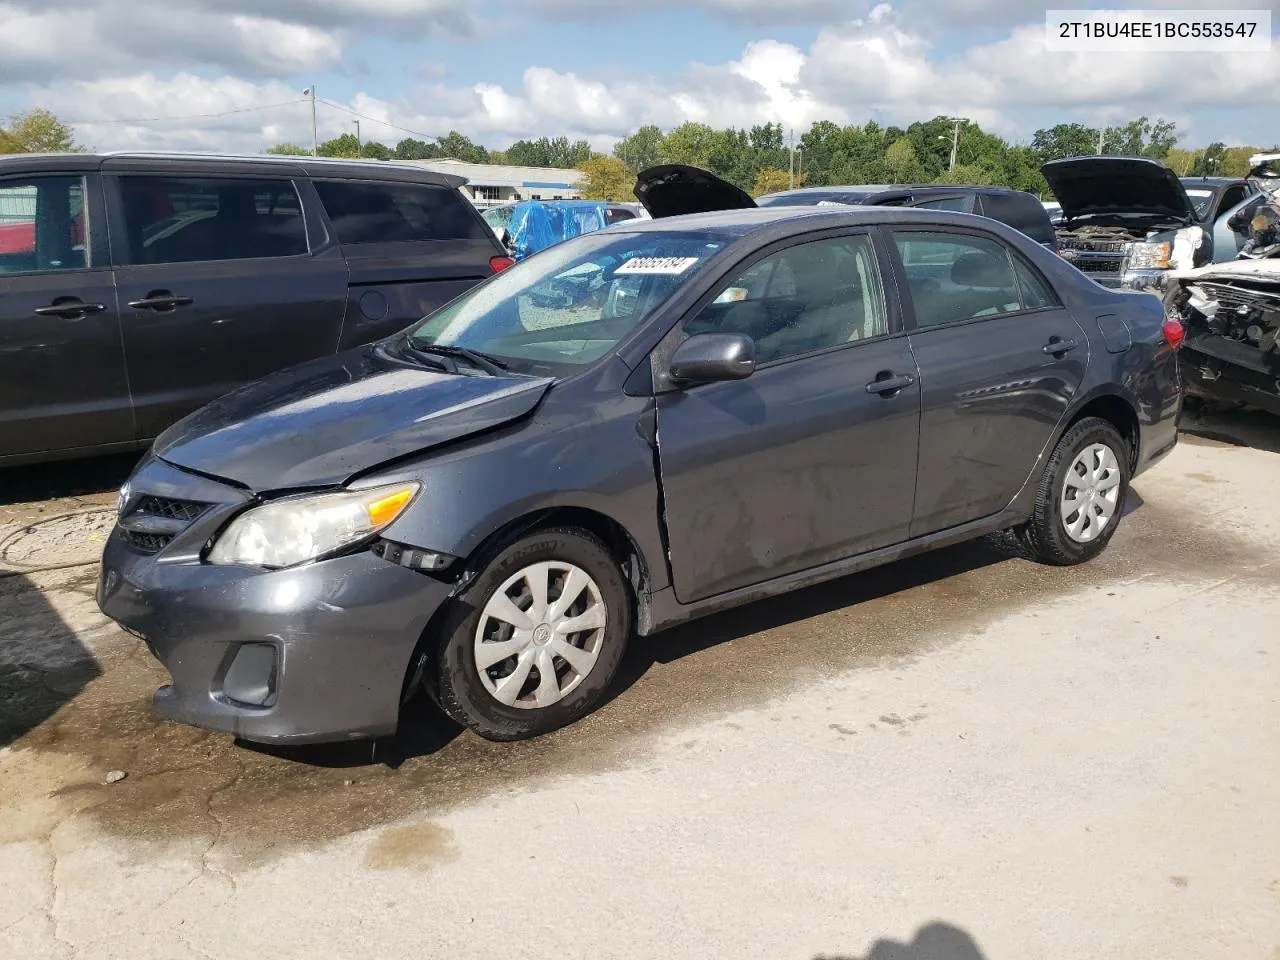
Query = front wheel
x=536 y=640
x=1080 y=497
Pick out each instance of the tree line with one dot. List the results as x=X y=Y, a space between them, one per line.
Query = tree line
x=764 y=158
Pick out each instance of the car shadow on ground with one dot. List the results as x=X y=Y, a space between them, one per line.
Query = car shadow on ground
x=64 y=478
x=936 y=941
x=43 y=664
x=1242 y=427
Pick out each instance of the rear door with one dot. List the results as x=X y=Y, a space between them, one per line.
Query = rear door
x=62 y=370
x=410 y=247
x=1000 y=360
x=221 y=280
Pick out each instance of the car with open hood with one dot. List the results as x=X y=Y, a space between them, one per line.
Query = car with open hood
x=491 y=504
x=1129 y=221
x=695 y=190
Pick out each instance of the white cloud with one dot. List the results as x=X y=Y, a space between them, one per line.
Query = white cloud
x=881 y=66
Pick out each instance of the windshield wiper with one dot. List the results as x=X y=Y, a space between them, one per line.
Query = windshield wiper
x=483 y=361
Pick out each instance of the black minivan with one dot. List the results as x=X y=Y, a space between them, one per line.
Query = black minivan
x=135 y=288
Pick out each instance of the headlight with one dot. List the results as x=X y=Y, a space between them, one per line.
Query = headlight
x=292 y=531
x=1147 y=256
x=122 y=499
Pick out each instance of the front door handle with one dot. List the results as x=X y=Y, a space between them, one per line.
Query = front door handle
x=69 y=308
x=888 y=384
x=1057 y=347
x=160 y=300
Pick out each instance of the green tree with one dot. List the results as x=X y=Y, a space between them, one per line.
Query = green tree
x=1141 y=138
x=641 y=149
x=691 y=143
x=900 y=158
x=1064 y=140
x=457 y=147
x=36 y=131
x=547 y=152
x=1181 y=162
x=1210 y=161
x=411 y=149
x=967 y=173
x=606 y=178
x=344 y=146
x=289 y=150
x=773 y=180
x=373 y=150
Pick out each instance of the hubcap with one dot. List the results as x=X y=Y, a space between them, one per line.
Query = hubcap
x=1090 y=493
x=540 y=634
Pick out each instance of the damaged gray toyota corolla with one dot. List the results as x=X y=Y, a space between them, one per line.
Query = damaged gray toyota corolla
x=633 y=428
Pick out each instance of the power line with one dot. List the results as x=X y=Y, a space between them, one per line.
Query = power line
x=189 y=116
x=385 y=123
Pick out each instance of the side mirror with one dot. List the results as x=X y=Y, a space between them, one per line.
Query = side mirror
x=709 y=357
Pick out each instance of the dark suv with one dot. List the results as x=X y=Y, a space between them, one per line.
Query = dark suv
x=136 y=288
x=1022 y=211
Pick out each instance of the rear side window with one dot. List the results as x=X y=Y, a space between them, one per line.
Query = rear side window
x=1036 y=293
x=955 y=277
x=363 y=211
x=958 y=204
x=189 y=219
x=1025 y=214
x=42 y=225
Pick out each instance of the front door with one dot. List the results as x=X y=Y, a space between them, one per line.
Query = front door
x=62 y=373
x=218 y=287
x=1000 y=360
x=813 y=457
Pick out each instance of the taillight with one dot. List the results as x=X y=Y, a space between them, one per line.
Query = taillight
x=498 y=264
x=1174 y=332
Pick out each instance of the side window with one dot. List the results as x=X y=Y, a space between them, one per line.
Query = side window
x=808 y=297
x=1231 y=197
x=186 y=220
x=955 y=277
x=364 y=211
x=958 y=204
x=1036 y=293
x=43 y=225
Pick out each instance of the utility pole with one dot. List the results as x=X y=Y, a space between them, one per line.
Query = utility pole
x=955 y=142
x=358 y=144
x=1102 y=133
x=791 y=162
x=315 y=141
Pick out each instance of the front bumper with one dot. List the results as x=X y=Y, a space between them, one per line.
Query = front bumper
x=321 y=650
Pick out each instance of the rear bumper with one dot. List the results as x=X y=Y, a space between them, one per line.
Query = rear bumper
x=322 y=650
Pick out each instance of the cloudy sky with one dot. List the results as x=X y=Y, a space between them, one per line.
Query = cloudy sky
x=498 y=70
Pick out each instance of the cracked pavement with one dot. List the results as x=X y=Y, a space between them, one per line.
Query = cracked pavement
x=961 y=756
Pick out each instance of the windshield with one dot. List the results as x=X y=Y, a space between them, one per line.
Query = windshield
x=569 y=305
x=1201 y=200
x=811 y=199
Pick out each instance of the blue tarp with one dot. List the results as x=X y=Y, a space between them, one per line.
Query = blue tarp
x=536 y=224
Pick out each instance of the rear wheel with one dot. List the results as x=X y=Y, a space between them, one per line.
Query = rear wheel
x=1080 y=497
x=536 y=640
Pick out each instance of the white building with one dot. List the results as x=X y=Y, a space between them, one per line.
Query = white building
x=490 y=184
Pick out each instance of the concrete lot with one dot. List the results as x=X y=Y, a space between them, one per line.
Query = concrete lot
x=962 y=756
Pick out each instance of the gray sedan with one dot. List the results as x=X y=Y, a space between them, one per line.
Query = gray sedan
x=632 y=429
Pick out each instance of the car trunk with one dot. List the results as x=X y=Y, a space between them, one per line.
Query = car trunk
x=674 y=189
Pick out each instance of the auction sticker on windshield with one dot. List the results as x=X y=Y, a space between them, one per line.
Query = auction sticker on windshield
x=670 y=266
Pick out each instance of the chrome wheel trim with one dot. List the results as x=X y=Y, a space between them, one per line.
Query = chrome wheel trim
x=1090 y=493
x=540 y=634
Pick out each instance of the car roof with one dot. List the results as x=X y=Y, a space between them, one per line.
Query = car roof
x=740 y=223
x=201 y=162
x=872 y=189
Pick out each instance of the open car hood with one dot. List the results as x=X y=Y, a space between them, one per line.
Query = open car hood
x=674 y=189
x=1128 y=185
x=321 y=423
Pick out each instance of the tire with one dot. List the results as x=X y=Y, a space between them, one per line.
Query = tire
x=1045 y=535
x=454 y=678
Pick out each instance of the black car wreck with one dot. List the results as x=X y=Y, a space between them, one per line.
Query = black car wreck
x=734 y=404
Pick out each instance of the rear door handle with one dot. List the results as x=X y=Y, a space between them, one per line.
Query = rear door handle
x=160 y=301
x=887 y=383
x=69 y=309
x=1056 y=346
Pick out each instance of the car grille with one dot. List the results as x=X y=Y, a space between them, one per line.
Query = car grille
x=1233 y=298
x=1095 y=246
x=153 y=522
x=1099 y=264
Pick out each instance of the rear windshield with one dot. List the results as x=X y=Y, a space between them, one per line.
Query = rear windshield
x=363 y=211
x=572 y=303
x=812 y=199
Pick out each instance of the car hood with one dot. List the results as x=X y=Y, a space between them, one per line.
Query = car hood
x=674 y=189
x=1102 y=185
x=320 y=423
